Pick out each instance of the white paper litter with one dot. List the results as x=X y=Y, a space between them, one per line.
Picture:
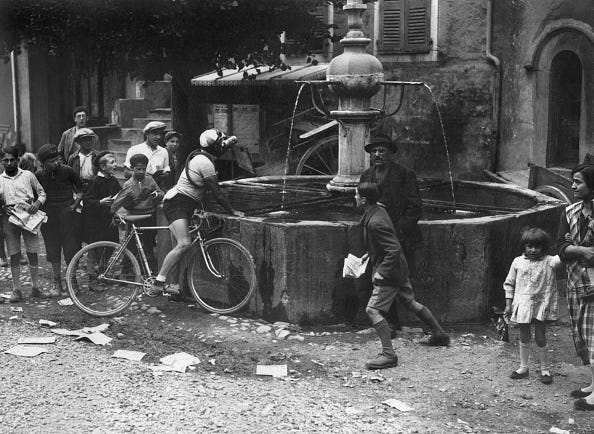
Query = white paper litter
x=556 y=430
x=97 y=338
x=129 y=355
x=177 y=362
x=65 y=302
x=398 y=405
x=38 y=340
x=64 y=332
x=354 y=267
x=99 y=328
x=273 y=370
x=16 y=308
x=26 y=351
x=47 y=323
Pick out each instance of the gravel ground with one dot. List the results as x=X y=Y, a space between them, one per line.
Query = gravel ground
x=79 y=387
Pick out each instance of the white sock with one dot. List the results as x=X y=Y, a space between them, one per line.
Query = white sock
x=524 y=358
x=161 y=278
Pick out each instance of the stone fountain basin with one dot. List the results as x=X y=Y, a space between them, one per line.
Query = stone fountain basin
x=460 y=265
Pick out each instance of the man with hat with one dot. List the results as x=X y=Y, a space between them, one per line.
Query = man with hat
x=67 y=147
x=197 y=177
x=158 y=165
x=63 y=188
x=401 y=198
x=82 y=161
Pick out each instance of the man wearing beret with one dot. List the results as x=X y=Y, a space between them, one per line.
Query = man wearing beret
x=158 y=165
x=400 y=196
x=67 y=146
x=64 y=190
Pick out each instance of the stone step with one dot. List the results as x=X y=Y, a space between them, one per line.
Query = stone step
x=160 y=113
x=135 y=135
x=119 y=145
x=120 y=157
x=141 y=122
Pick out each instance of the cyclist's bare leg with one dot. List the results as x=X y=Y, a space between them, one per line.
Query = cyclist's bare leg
x=181 y=232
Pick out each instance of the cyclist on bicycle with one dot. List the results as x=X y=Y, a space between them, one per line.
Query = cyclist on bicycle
x=180 y=202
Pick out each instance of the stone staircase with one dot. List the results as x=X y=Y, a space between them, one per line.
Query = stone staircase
x=130 y=116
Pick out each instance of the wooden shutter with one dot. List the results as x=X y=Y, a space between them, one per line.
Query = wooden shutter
x=320 y=13
x=391 y=31
x=417 y=26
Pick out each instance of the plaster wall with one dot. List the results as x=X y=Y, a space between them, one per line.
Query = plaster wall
x=6 y=104
x=530 y=33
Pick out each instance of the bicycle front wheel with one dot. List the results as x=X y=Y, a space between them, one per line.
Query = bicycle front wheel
x=101 y=284
x=232 y=281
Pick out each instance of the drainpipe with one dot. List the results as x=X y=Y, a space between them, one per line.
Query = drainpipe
x=497 y=91
x=15 y=97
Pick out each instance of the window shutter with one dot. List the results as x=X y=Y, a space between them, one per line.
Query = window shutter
x=417 y=26
x=391 y=31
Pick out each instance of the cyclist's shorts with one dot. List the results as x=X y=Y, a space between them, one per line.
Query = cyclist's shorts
x=179 y=207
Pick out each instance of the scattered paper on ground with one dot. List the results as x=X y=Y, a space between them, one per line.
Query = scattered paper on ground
x=97 y=338
x=26 y=351
x=38 y=340
x=16 y=308
x=99 y=328
x=5 y=295
x=47 y=322
x=274 y=370
x=65 y=302
x=130 y=355
x=176 y=362
x=398 y=405
x=64 y=332
x=556 y=430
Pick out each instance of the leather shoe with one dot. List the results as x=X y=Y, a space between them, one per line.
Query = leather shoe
x=517 y=376
x=16 y=296
x=579 y=393
x=582 y=404
x=438 y=340
x=382 y=361
x=546 y=379
x=38 y=293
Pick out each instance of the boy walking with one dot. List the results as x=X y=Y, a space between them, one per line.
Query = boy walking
x=60 y=232
x=140 y=195
x=18 y=188
x=389 y=276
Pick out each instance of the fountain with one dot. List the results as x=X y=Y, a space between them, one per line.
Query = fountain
x=468 y=242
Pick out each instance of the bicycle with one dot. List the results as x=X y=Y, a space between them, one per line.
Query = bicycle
x=104 y=277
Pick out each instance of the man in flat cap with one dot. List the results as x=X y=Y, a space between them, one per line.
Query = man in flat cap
x=400 y=196
x=158 y=165
x=67 y=146
x=82 y=161
x=64 y=190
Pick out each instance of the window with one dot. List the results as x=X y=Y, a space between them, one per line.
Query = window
x=404 y=26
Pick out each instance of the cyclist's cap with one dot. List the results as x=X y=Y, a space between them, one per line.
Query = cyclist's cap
x=381 y=139
x=154 y=125
x=210 y=137
x=84 y=132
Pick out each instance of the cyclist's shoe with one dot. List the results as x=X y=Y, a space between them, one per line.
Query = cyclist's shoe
x=172 y=289
x=157 y=288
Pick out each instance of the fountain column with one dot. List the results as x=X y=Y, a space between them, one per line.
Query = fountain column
x=355 y=77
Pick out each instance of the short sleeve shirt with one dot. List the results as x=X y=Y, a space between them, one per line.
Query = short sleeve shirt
x=158 y=157
x=199 y=168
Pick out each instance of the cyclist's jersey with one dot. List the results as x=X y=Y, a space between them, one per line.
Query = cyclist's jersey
x=198 y=168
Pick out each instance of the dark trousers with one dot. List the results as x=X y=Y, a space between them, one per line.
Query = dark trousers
x=60 y=233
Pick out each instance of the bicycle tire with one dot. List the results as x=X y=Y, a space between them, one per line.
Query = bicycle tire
x=232 y=291
x=99 y=297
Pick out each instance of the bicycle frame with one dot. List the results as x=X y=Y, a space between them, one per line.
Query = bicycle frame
x=134 y=233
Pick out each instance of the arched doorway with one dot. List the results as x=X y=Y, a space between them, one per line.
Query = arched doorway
x=565 y=99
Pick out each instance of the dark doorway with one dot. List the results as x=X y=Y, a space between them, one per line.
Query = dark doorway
x=563 y=147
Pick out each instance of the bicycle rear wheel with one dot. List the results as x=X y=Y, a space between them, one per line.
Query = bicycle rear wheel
x=235 y=283
x=97 y=295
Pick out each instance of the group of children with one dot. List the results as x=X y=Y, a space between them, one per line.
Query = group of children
x=78 y=209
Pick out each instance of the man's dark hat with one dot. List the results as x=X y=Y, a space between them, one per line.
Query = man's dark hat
x=47 y=152
x=381 y=139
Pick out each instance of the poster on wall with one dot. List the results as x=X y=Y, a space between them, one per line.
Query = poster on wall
x=246 y=126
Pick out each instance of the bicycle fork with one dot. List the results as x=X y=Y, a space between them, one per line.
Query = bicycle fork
x=207 y=259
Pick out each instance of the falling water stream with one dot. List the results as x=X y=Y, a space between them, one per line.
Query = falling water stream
x=289 y=150
x=445 y=144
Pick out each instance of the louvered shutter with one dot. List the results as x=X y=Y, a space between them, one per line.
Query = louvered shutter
x=392 y=31
x=417 y=26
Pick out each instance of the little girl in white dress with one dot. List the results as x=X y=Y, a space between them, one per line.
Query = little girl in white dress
x=531 y=297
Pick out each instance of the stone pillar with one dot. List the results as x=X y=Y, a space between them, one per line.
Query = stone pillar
x=355 y=77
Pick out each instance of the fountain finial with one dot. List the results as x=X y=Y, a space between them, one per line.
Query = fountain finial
x=356 y=77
